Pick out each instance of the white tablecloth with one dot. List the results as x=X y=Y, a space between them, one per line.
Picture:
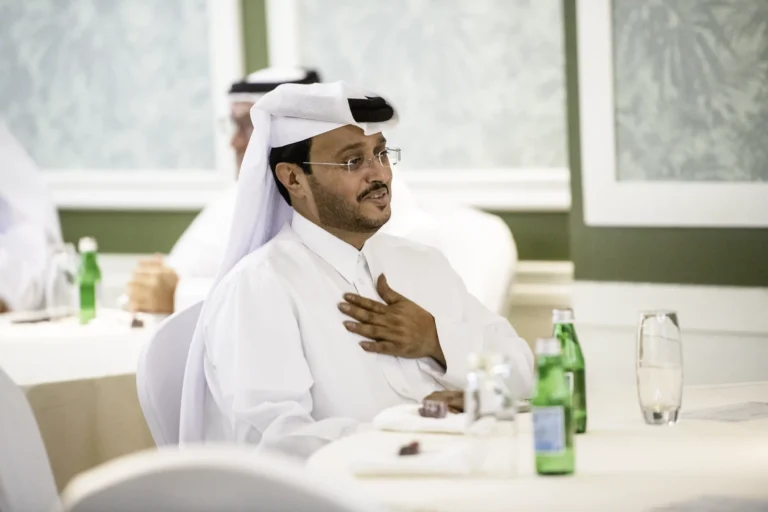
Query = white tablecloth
x=81 y=384
x=622 y=464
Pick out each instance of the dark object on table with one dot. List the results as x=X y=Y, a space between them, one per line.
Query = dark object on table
x=433 y=409
x=136 y=323
x=410 y=449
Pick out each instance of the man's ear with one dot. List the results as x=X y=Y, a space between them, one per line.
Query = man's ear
x=292 y=177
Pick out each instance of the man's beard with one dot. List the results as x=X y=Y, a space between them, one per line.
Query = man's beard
x=336 y=212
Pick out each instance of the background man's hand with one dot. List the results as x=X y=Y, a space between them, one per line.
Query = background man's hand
x=3 y=307
x=153 y=287
x=399 y=328
x=453 y=399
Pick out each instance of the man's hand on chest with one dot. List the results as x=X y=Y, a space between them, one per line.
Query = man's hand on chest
x=398 y=327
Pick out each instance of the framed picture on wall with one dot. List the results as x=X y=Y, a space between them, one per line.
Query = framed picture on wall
x=123 y=105
x=674 y=112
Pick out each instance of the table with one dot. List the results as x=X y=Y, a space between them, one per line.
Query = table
x=81 y=384
x=622 y=464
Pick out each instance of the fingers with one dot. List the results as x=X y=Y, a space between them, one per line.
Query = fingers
x=363 y=315
x=139 y=296
x=380 y=347
x=389 y=295
x=156 y=260
x=362 y=302
x=148 y=279
x=374 y=332
x=453 y=399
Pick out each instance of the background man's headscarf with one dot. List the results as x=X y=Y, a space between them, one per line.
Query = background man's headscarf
x=291 y=113
x=253 y=87
x=22 y=189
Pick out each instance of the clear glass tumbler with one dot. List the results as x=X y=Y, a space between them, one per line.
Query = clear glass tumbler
x=659 y=367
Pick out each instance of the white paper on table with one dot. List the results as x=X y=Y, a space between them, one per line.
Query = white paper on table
x=731 y=413
x=716 y=504
x=406 y=418
x=448 y=461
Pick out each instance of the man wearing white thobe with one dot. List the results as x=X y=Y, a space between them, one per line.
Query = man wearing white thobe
x=29 y=228
x=320 y=320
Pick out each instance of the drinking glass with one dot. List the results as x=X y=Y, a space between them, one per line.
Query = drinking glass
x=61 y=286
x=659 y=367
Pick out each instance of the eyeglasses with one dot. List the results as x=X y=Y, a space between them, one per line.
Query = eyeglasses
x=386 y=157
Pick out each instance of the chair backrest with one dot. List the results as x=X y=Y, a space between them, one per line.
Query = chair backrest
x=26 y=479
x=160 y=374
x=481 y=249
x=206 y=479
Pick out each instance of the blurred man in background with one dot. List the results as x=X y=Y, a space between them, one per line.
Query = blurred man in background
x=165 y=285
x=29 y=228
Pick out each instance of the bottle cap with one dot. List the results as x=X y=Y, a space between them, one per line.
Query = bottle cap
x=476 y=361
x=548 y=347
x=562 y=316
x=87 y=244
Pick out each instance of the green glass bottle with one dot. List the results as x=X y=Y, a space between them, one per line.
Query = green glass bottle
x=553 y=425
x=88 y=279
x=573 y=362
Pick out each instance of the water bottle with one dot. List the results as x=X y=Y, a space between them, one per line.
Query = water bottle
x=88 y=279
x=491 y=416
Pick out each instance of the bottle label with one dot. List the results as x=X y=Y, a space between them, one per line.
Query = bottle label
x=549 y=430
x=569 y=381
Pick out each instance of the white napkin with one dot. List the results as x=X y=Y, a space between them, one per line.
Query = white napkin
x=406 y=418
x=451 y=460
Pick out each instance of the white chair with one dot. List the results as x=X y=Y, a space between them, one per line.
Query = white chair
x=160 y=374
x=26 y=479
x=481 y=249
x=206 y=479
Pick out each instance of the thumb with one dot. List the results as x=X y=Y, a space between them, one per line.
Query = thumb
x=389 y=295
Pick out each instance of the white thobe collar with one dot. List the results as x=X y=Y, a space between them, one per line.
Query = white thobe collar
x=339 y=254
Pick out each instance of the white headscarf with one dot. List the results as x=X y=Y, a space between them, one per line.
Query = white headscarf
x=289 y=114
x=22 y=187
x=254 y=86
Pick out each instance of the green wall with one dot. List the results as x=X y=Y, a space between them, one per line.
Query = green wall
x=538 y=236
x=255 y=35
x=126 y=231
x=736 y=257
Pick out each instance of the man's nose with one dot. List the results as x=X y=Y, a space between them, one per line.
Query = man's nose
x=378 y=172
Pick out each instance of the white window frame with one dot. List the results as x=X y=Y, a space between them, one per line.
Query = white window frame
x=515 y=189
x=180 y=189
x=610 y=202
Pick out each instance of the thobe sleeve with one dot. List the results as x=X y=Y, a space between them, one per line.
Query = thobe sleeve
x=477 y=330
x=24 y=251
x=263 y=379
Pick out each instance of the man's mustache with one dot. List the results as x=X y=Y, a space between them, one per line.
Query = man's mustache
x=377 y=185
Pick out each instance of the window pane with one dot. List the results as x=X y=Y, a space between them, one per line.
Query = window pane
x=108 y=84
x=691 y=89
x=478 y=84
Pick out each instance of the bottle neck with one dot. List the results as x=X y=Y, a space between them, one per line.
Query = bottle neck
x=566 y=330
x=89 y=271
x=550 y=370
x=89 y=258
